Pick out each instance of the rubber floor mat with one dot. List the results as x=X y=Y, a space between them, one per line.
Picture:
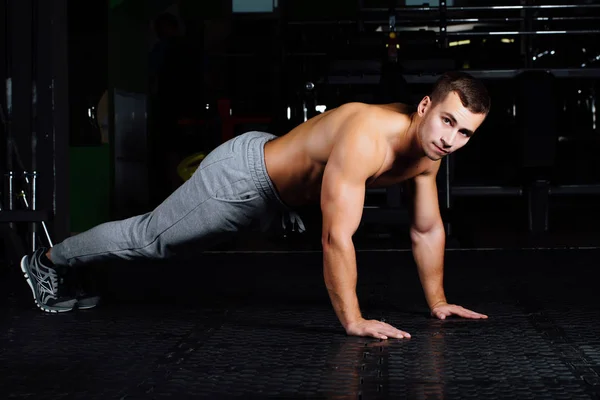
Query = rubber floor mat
x=260 y=325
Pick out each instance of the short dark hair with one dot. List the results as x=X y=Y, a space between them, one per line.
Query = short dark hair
x=472 y=92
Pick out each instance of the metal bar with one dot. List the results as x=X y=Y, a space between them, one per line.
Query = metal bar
x=61 y=118
x=574 y=189
x=448 y=227
x=443 y=25
x=359 y=23
x=518 y=19
x=526 y=43
x=10 y=188
x=20 y=94
x=43 y=221
x=20 y=116
x=391 y=15
x=33 y=207
x=447 y=184
x=7 y=118
x=374 y=79
x=44 y=121
x=512 y=33
x=482 y=8
x=486 y=191
x=436 y=20
x=281 y=67
x=3 y=79
x=583 y=137
x=5 y=58
x=3 y=50
x=558 y=72
x=33 y=134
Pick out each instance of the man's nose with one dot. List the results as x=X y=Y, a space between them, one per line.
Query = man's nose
x=447 y=141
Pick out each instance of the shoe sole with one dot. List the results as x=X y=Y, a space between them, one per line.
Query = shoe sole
x=83 y=307
x=24 y=262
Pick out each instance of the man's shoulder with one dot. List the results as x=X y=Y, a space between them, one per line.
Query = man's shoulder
x=353 y=108
x=366 y=109
x=371 y=117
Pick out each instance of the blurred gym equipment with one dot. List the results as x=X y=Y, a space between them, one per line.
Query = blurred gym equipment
x=34 y=129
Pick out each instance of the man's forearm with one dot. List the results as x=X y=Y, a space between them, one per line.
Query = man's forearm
x=428 y=251
x=339 y=272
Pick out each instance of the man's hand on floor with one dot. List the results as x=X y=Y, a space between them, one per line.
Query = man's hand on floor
x=444 y=310
x=376 y=329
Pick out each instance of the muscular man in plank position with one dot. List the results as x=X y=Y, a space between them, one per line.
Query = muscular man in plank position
x=248 y=181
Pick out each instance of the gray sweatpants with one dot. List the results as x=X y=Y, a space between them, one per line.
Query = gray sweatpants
x=229 y=192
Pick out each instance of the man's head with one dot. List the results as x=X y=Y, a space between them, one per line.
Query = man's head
x=450 y=115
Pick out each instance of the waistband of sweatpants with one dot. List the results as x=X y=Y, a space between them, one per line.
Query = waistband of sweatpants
x=258 y=168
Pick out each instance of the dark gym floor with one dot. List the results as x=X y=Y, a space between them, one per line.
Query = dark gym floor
x=260 y=325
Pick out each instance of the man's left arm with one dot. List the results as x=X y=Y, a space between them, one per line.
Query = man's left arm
x=428 y=238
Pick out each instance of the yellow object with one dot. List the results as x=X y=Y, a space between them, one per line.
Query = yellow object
x=392 y=35
x=459 y=43
x=189 y=165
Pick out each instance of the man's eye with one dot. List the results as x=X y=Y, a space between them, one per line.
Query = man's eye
x=446 y=120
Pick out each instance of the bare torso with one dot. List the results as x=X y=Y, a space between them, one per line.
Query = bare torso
x=296 y=161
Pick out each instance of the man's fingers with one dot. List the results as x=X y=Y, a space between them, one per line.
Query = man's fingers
x=473 y=314
x=463 y=312
x=385 y=331
x=403 y=335
x=390 y=331
x=378 y=330
x=479 y=315
x=440 y=314
x=395 y=333
x=377 y=335
x=460 y=311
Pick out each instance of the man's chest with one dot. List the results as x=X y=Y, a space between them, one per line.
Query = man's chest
x=398 y=172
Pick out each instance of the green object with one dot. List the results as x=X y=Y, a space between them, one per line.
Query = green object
x=115 y=3
x=89 y=184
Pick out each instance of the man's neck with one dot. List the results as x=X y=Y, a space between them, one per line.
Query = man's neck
x=408 y=143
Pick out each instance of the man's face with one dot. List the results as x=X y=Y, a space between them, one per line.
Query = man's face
x=446 y=126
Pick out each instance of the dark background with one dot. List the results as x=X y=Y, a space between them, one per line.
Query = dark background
x=258 y=65
x=104 y=129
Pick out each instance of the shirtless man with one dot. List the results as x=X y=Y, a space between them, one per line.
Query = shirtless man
x=247 y=182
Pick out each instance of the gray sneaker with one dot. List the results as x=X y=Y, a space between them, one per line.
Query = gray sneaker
x=46 y=284
x=85 y=301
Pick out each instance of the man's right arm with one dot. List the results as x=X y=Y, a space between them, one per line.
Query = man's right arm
x=353 y=160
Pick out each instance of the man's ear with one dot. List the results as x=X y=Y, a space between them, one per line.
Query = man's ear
x=424 y=105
